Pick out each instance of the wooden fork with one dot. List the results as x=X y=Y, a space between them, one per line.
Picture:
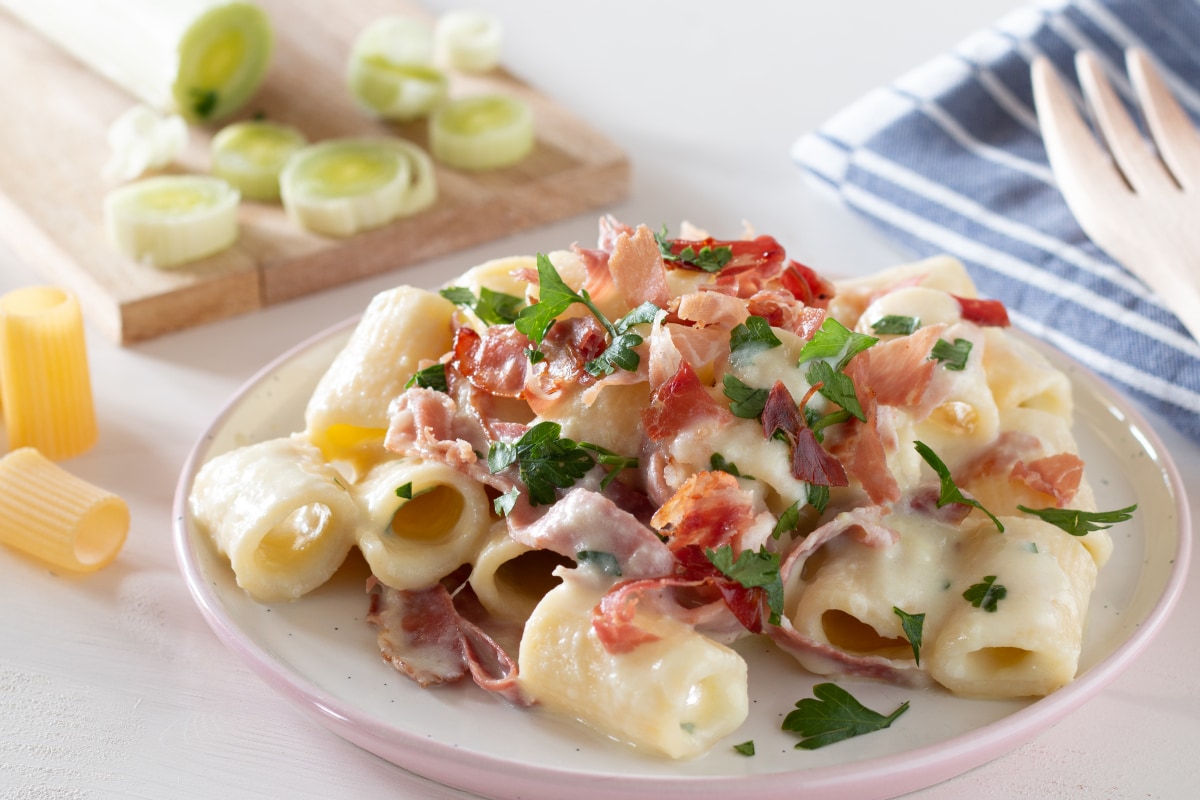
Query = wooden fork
x=1138 y=201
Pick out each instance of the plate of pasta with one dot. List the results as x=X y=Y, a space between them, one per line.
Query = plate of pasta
x=679 y=514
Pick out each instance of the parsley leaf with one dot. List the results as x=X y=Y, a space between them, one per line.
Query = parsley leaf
x=895 y=324
x=718 y=463
x=1081 y=523
x=493 y=308
x=745 y=748
x=600 y=559
x=833 y=715
x=610 y=459
x=752 y=569
x=432 y=377
x=620 y=352
x=818 y=497
x=951 y=356
x=405 y=492
x=505 y=502
x=745 y=401
x=836 y=387
x=707 y=259
x=554 y=298
x=986 y=595
x=913 y=625
x=544 y=461
x=788 y=520
x=950 y=492
x=835 y=343
x=749 y=338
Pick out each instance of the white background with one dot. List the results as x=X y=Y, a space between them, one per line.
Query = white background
x=113 y=685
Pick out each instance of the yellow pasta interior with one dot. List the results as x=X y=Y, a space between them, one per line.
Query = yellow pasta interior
x=531 y=574
x=429 y=516
x=849 y=633
x=289 y=541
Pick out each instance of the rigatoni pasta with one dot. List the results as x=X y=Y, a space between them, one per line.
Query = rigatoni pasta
x=582 y=478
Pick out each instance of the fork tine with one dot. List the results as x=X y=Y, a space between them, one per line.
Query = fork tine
x=1172 y=129
x=1129 y=148
x=1070 y=145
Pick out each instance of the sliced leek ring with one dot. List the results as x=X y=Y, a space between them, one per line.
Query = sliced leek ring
x=250 y=155
x=172 y=219
x=141 y=139
x=467 y=41
x=223 y=58
x=481 y=132
x=400 y=92
x=390 y=71
x=342 y=186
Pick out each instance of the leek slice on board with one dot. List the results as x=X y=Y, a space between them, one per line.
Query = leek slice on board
x=172 y=219
x=342 y=186
x=390 y=70
x=142 y=139
x=481 y=132
x=250 y=155
x=202 y=59
x=467 y=41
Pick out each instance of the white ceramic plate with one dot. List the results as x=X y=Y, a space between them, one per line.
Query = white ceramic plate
x=321 y=653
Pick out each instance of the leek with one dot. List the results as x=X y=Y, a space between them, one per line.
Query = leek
x=342 y=186
x=141 y=139
x=250 y=155
x=467 y=41
x=481 y=132
x=202 y=59
x=390 y=71
x=172 y=219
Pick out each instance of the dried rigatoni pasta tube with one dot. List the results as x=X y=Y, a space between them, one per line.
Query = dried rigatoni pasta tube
x=51 y=514
x=47 y=391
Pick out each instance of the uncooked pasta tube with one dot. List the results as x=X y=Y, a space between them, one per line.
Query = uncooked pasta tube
x=51 y=514
x=47 y=392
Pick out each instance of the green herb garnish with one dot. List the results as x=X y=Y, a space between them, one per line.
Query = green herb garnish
x=833 y=715
x=950 y=493
x=752 y=569
x=432 y=377
x=895 y=324
x=706 y=259
x=544 y=460
x=951 y=356
x=985 y=595
x=749 y=338
x=600 y=559
x=745 y=401
x=913 y=625
x=745 y=748
x=492 y=308
x=1081 y=523
x=835 y=343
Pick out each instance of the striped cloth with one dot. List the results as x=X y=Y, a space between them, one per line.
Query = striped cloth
x=948 y=159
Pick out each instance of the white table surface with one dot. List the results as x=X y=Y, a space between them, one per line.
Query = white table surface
x=113 y=685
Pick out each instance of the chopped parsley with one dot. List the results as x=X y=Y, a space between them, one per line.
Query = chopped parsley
x=706 y=259
x=749 y=338
x=745 y=401
x=789 y=520
x=405 y=492
x=492 y=308
x=505 y=502
x=718 y=463
x=1081 y=523
x=833 y=715
x=545 y=461
x=835 y=343
x=950 y=492
x=752 y=569
x=837 y=387
x=986 y=594
x=600 y=559
x=951 y=356
x=610 y=459
x=431 y=377
x=745 y=748
x=556 y=297
x=818 y=496
x=914 y=626
x=895 y=324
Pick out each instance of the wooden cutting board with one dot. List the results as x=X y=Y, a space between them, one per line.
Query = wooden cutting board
x=53 y=149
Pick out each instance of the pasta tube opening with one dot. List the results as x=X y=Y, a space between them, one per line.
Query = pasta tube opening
x=430 y=516
x=846 y=632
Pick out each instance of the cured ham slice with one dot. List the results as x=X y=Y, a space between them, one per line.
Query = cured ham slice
x=682 y=402
x=637 y=269
x=710 y=509
x=1058 y=475
x=422 y=635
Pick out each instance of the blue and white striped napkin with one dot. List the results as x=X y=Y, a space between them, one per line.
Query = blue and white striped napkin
x=948 y=159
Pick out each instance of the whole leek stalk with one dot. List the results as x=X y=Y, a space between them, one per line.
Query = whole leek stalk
x=202 y=59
